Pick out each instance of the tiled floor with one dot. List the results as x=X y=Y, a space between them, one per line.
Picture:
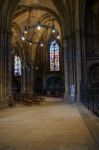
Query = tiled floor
x=54 y=125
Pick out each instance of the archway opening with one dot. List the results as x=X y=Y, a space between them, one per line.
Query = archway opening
x=38 y=59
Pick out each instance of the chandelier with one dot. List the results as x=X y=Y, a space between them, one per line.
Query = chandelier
x=38 y=26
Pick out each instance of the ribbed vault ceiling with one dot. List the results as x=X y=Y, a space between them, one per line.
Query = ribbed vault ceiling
x=42 y=9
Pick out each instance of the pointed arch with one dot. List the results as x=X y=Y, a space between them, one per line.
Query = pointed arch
x=54 y=49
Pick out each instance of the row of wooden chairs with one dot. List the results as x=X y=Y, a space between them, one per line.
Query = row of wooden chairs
x=28 y=99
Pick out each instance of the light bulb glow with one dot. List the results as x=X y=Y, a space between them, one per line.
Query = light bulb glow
x=25 y=31
x=58 y=37
x=41 y=44
x=39 y=27
x=30 y=43
x=36 y=68
x=23 y=38
x=53 y=30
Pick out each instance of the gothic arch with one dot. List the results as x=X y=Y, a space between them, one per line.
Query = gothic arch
x=9 y=8
x=72 y=34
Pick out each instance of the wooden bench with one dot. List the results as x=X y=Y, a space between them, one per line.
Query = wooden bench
x=28 y=99
x=17 y=98
x=38 y=99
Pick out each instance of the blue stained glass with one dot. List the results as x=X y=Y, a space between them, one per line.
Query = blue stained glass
x=54 y=56
x=17 y=66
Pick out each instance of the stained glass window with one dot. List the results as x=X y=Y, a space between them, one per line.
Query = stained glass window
x=54 y=56
x=17 y=66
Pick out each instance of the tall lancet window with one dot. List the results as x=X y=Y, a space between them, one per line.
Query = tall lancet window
x=17 y=66
x=54 y=56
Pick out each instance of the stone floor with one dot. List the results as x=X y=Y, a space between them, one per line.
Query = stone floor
x=54 y=125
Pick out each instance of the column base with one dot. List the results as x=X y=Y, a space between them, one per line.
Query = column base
x=78 y=98
x=66 y=97
x=11 y=101
x=4 y=101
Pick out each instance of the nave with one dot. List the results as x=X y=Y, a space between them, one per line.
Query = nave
x=55 y=125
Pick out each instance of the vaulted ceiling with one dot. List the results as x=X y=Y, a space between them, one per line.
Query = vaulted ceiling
x=29 y=12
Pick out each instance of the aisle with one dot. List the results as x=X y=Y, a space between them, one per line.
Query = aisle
x=54 y=125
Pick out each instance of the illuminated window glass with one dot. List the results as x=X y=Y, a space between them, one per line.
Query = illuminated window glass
x=54 y=56
x=17 y=66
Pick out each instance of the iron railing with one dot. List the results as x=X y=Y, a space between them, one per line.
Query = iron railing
x=90 y=98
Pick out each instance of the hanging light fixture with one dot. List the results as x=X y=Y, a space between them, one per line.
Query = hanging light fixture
x=23 y=38
x=53 y=30
x=42 y=44
x=39 y=25
x=53 y=27
x=30 y=43
x=28 y=29
x=58 y=37
x=25 y=30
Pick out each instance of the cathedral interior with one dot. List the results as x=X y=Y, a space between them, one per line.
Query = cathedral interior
x=49 y=74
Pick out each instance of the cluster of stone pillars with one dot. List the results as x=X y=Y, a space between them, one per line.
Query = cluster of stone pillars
x=74 y=54
x=27 y=80
x=27 y=77
x=72 y=69
x=72 y=58
x=72 y=65
x=5 y=66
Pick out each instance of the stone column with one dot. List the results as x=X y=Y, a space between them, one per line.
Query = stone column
x=5 y=68
x=44 y=83
x=28 y=80
x=71 y=66
x=78 y=49
x=78 y=65
x=66 y=94
x=32 y=80
x=28 y=77
x=23 y=81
